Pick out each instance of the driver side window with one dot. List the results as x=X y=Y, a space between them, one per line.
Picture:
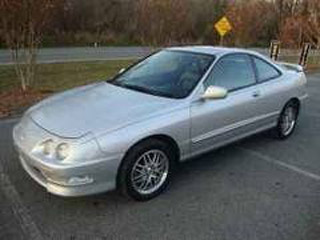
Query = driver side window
x=232 y=72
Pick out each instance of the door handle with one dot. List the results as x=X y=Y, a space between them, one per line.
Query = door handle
x=256 y=94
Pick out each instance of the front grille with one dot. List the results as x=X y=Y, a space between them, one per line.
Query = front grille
x=37 y=170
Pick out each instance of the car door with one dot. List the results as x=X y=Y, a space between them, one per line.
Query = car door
x=220 y=121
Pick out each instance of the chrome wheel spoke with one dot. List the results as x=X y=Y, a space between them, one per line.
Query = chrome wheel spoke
x=147 y=185
x=140 y=166
x=140 y=181
x=149 y=159
x=142 y=172
x=138 y=177
x=157 y=171
x=144 y=185
x=145 y=160
x=156 y=159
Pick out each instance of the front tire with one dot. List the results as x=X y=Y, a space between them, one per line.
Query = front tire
x=146 y=171
x=287 y=120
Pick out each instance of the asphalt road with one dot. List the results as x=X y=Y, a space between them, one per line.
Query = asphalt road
x=54 y=55
x=259 y=188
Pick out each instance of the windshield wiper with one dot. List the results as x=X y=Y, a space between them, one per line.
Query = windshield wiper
x=143 y=89
x=150 y=91
x=137 y=88
x=133 y=87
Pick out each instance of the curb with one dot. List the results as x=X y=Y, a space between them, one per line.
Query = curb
x=10 y=120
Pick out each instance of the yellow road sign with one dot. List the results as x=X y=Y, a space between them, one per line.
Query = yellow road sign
x=223 y=26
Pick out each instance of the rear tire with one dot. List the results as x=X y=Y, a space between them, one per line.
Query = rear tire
x=146 y=171
x=287 y=120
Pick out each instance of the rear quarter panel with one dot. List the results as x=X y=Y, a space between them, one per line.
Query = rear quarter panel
x=277 y=92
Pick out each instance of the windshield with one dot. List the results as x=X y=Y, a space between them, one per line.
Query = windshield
x=166 y=73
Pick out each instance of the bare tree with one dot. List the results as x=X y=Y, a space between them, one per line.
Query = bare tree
x=249 y=27
x=302 y=25
x=162 y=21
x=312 y=24
x=22 y=23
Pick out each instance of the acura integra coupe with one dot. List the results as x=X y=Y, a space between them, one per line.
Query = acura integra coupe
x=128 y=132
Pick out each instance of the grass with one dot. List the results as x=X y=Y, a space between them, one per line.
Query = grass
x=51 y=78
x=61 y=76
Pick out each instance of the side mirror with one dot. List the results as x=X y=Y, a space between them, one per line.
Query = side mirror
x=121 y=70
x=214 y=92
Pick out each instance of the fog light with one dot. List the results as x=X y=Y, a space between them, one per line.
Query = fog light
x=75 y=181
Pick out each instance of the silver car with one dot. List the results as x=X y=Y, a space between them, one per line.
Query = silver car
x=130 y=131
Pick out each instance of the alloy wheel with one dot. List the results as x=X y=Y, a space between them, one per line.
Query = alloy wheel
x=150 y=171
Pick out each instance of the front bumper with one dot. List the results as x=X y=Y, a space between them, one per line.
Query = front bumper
x=55 y=177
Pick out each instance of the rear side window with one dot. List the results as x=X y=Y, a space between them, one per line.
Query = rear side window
x=232 y=72
x=265 y=70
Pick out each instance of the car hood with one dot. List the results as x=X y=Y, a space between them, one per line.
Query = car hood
x=96 y=109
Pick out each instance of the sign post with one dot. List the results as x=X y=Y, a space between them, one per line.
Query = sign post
x=274 y=49
x=223 y=26
x=304 y=54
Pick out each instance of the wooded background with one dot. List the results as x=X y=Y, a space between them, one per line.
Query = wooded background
x=168 y=22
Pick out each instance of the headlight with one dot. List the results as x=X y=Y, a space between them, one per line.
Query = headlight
x=62 y=151
x=47 y=147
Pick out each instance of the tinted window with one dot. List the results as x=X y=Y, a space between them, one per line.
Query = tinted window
x=232 y=72
x=167 y=73
x=265 y=70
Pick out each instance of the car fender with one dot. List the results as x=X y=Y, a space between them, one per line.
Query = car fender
x=175 y=124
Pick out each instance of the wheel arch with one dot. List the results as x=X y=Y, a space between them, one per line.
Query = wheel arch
x=296 y=101
x=162 y=137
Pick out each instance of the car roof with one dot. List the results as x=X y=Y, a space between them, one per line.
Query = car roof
x=211 y=50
